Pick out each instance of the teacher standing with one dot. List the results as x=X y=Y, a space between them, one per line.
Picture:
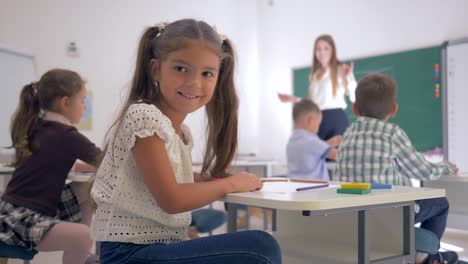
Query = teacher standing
x=330 y=82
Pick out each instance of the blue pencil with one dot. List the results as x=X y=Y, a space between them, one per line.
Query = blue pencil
x=312 y=187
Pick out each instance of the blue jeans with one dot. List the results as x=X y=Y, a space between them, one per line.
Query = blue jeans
x=433 y=215
x=247 y=247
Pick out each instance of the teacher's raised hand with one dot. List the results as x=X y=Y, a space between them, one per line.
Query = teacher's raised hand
x=347 y=69
x=287 y=98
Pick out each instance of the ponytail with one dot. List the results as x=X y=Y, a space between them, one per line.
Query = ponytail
x=142 y=88
x=222 y=112
x=142 y=78
x=24 y=121
x=54 y=84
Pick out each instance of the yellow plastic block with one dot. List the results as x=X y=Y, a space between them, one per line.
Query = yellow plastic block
x=356 y=185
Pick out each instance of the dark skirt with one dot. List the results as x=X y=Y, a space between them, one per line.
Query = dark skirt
x=21 y=226
x=334 y=122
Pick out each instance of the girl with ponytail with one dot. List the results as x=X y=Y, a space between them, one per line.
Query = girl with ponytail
x=38 y=210
x=145 y=187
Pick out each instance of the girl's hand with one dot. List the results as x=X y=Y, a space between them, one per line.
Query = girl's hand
x=286 y=98
x=198 y=177
x=347 y=69
x=244 y=182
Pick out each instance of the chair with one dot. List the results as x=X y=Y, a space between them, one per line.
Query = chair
x=426 y=241
x=206 y=220
x=15 y=252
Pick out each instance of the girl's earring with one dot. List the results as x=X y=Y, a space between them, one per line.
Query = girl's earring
x=156 y=86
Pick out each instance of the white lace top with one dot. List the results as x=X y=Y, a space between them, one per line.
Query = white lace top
x=127 y=212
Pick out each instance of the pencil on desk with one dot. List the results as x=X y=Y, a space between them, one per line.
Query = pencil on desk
x=307 y=181
x=312 y=187
x=274 y=180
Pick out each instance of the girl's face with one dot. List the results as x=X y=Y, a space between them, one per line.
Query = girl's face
x=75 y=106
x=323 y=52
x=187 y=79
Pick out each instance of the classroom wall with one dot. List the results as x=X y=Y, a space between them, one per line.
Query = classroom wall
x=106 y=33
x=287 y=30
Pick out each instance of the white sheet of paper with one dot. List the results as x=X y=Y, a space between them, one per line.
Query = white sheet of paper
x=284 y=187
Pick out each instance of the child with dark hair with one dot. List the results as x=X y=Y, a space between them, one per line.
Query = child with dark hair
x=376 y=151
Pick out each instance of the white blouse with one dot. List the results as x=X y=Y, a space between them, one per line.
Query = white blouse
x=321 y=91
x=127 y=211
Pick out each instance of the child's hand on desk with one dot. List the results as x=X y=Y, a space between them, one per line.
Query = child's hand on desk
x=453 y=166
x=244 y=182
x=198 y=177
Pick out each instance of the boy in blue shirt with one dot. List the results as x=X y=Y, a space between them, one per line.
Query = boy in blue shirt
x=376 y=151
x=306 y=152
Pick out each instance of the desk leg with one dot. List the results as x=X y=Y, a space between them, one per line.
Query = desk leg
x=408 y=231
x=273 y=220
x=363 y=238
x=231 y=217
x=268 y=171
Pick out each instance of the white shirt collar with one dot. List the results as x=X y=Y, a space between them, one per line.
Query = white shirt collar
x=56 y=117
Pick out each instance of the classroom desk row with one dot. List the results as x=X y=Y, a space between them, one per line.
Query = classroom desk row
x=248 y=165
x=322 y=226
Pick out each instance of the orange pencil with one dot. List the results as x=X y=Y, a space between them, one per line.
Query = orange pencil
x=274 y=180
x=308 y=181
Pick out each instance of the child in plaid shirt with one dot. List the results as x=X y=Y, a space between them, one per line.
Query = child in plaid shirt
x=374 y=150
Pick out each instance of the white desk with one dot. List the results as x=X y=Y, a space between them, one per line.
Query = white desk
x=247 y=165
x=321 y=226
x=5 y=170
x=6 y=173
x=80 y=176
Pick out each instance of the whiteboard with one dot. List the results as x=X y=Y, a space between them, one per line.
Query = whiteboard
x=16 y=70
x=457 y=104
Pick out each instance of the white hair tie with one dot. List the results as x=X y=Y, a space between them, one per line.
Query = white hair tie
x=161 y=26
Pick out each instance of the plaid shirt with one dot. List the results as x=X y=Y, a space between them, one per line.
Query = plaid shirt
x=376 y=151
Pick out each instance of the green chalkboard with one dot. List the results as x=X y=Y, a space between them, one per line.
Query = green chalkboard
x=420 y=109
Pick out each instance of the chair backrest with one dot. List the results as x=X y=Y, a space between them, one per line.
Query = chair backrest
x=18 y=252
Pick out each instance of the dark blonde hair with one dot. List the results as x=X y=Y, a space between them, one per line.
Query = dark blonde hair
x=53 y=85
x=304 y=107
x=376 y=95
x=334 y=63
x=222 y=111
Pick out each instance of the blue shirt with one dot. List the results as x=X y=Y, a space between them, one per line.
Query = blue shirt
x=306 y=154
